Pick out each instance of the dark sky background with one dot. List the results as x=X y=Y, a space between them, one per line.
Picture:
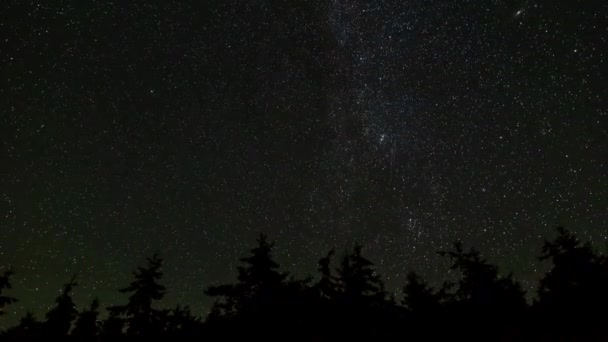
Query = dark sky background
x=189 y=127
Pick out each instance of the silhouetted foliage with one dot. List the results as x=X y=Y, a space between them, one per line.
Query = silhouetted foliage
x=578 y=277
x=425 y=308
x=360 y=296
x=419 y=298
x=59 y=319
x=112 y=328
x=5 y=284
x=484 y=302
x=349 y=302
x=86 y=327
x=181 y=324
x=326 y=286
x=575 y=290
x=141 y=318
x=357 y=280
x=28 y=329
x=259 y=278
x=255 y=300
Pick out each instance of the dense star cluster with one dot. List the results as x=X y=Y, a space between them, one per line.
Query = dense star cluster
x=190 y=127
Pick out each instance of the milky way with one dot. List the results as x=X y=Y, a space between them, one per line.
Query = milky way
x=189 y=129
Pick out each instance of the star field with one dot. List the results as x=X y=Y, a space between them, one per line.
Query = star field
x=190 y=128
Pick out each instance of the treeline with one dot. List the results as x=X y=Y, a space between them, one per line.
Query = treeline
x=348 y=301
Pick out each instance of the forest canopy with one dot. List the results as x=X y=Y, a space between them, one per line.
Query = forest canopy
x=347 y=300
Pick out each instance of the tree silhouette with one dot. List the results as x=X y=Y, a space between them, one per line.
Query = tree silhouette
x=578 y=276
x=326 y=286
x=573 y=295
x=486 y=300
x=5 y=284
x=112 y=327
x=28 y=329
x=425 y=308
x=350 y=303
x=182 y=324
x=357 y=279
x=86 y=327
x=258 y=278
x=361 y=297
x=261 y=297
x=419 y=297
x=141 y=318
x=59 y=319
x=260 y=271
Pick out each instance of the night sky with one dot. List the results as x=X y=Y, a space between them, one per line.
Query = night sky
x=190 y=127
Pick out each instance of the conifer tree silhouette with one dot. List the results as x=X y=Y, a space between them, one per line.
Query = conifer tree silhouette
x=350 y=303
x=260 y=272
x=59 y=319
x=28 y=329
x=86 y=327
x=5 y=284
x=112 y=327
x=361 y=298
x=258 y=303
x=326 y=286
x=141 y=317
x=483 y=298
x=258 y=278
x=181 y=323
x=424 y=308
x=573 y=294
x=419 y=297
x=578 y=276
x=357 y=279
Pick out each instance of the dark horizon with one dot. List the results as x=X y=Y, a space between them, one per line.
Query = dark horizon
x=16 y=310
x=345 y=300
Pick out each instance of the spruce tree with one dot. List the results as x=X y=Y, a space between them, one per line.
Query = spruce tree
x=28 y=329
x=112 y=327
x=419 y=297
x=357 y=279
x=259 y=282
x=573 y=296
x=484 y=305
x=86 y=327
x=59 y=319
x=326 y=286
x=5 y=284
x=140 y=315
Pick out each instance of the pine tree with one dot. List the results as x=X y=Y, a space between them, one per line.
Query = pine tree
x=419 y=297
x=112 y=328
x=259 y=282
x=260 y=271
x=484 y=303
x=86 y=327
x=578 y=273
x=28 y=329
x=141 y=317
x=572 y=297
x=358 y=280
x=425 y=309
x=5 y=284
x=481 y=285
x=326 y=286
x=360 y=299
x=181 y=323
x=59 y=319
